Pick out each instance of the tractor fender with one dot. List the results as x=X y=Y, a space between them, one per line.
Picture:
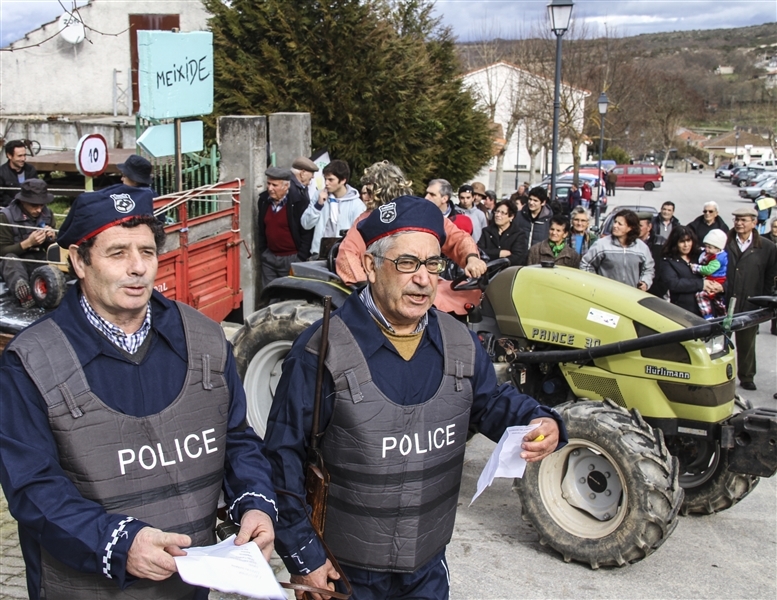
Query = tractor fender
x=298 y=288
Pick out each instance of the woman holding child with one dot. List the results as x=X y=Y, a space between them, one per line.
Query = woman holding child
x=681 y=253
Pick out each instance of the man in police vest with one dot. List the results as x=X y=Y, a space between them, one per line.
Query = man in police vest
x=122 y=420
x=403 y=384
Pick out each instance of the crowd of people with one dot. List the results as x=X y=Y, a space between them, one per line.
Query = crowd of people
x=699 y=266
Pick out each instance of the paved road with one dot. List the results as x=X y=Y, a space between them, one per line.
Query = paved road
x=494 y=555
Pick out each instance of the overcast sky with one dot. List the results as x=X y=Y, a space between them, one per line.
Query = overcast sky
x=472 y=20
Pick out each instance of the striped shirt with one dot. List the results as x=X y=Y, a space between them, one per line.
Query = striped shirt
x=369 y=303
x=129 y=343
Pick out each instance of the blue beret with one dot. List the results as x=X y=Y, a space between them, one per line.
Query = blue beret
x=406 y=213
x=94 y=212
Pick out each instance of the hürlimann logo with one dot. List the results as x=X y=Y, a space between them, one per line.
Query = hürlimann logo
x=663 y=372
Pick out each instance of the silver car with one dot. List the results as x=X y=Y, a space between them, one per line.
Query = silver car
x=767 y=185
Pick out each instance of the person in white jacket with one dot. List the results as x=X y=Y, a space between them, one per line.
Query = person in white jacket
x=337 y=206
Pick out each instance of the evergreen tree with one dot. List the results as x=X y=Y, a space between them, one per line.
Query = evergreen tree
x=379 y=78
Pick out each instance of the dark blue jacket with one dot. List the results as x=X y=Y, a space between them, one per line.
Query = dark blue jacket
x=405 y=382
x=50 y=511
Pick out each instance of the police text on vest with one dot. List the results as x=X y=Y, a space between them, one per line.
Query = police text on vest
x=148 y=457
x=433 y=440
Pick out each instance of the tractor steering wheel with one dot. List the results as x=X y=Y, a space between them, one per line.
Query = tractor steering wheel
x=463 y=283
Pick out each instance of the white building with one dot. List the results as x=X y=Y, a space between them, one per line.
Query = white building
x=62 y=78
x=503 y=87
x=746 y=147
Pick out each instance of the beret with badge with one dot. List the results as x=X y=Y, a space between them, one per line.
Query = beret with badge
x=406 y=213
x=93 y=212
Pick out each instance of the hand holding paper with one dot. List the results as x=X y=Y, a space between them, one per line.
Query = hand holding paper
x=230 y=568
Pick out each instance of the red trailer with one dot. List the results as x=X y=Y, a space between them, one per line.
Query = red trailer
x=199 y=263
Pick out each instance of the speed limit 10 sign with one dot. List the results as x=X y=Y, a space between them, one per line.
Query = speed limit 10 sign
x=92 y=155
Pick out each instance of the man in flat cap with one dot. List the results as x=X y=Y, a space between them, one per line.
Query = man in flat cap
x=123 y=418
x=281 y=237
x=27 y=226
x=304 y=171
x=403 y=384
x=752 y=271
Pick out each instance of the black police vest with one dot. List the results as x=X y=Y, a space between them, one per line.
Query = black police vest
x=165 y=469
x=395 y=470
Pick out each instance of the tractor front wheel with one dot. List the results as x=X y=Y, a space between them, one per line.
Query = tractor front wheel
x=260 y=347
x=611 y=495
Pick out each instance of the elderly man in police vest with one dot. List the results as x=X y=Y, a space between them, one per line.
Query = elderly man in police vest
x=122 y=420
x=402 y=386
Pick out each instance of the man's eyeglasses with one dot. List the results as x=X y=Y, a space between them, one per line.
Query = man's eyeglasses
x=411 y=264
x=708 y=211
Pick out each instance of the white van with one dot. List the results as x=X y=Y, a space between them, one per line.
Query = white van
x=767 y=165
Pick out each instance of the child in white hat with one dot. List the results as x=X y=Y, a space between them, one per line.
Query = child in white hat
x=713 y=263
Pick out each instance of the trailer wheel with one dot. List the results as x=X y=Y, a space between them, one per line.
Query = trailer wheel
x=709 y=486
x=260 y=347
x=611 y=496
x=48 y=286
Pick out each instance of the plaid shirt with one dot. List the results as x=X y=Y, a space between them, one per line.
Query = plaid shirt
x=276 y=207
x=128 y=343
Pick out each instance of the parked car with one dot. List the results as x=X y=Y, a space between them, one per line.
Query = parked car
x=606 y=228
x=564 y=183
x=645 y=176
x=741 y=177
x=724 y=171
x=768 y=185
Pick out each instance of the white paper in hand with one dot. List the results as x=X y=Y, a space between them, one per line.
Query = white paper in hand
x=229 y=568
x=505 y=460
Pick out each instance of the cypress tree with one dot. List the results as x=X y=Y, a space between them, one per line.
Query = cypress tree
x=379 y=78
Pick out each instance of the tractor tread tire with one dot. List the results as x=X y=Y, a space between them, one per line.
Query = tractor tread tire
x=651 y=488
x=278 y=322
x=48 y=286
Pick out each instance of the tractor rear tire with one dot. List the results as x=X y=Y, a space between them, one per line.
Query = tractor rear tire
x=614 y=460
x=48 y=285
x=717 y=488
x=260 y=347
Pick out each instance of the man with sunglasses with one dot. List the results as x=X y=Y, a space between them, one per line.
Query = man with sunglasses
x=403 y=385
x=708 y=220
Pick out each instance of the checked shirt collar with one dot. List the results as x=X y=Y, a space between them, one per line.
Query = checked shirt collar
x=128 y=343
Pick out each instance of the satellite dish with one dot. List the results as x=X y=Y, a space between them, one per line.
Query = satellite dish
x=71 y=29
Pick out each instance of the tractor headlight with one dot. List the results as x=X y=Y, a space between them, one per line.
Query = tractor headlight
x=716 y=345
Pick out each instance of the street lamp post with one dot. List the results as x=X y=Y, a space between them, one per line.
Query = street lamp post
x=602 y=103
x=736 y=152
x=560 y=12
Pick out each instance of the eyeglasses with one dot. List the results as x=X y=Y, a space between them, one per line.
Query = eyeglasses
x=503 y=213
x=708 y=211
x=411 y=264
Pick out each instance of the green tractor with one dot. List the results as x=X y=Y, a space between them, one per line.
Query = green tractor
x=647 y=391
